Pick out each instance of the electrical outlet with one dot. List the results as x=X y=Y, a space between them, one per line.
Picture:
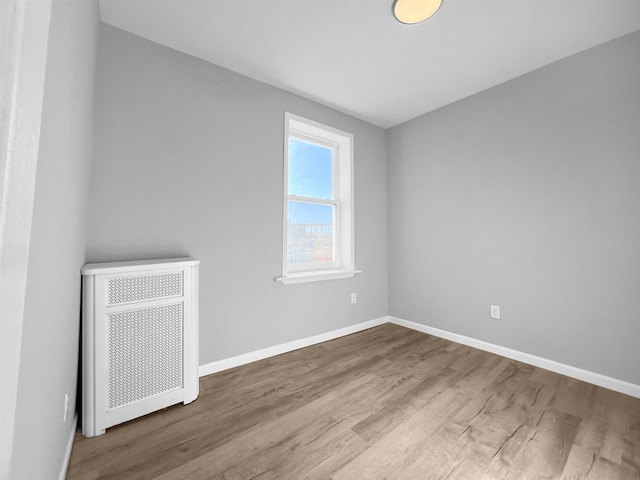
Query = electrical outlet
x=66 y=405
x=495 y=312
x=354 y=299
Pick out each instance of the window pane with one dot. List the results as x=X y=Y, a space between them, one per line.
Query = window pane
x=310 y=233
x=310 y=169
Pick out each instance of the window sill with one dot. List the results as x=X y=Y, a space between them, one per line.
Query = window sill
x=316 y=276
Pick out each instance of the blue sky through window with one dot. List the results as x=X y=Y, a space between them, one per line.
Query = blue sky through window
x=310 y=169
x=310 y=175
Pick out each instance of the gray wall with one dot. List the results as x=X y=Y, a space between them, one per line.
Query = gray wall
x=527 y=196
x=189 y=161
x=49 y=357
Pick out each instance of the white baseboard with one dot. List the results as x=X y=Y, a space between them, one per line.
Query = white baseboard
x=574 y=372
x=578 y=373
x=225 y=364
x=67 y=455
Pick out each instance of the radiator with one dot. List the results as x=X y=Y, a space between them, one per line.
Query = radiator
x=139 y=340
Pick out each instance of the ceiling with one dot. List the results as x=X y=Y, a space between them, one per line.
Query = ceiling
x=352 y=55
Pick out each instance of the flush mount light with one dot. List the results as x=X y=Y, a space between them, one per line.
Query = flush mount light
x=415 y=11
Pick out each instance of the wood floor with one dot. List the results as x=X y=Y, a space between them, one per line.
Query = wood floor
x=386 y=403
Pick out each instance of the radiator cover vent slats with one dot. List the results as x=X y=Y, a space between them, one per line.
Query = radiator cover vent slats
x=145 y=353
x=140 y=339
x=143 y=287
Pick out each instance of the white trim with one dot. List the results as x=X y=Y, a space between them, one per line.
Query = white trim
x=342 y=199
x=574 y=372
x=315 y=276
x=227 y=363
x=67 y=455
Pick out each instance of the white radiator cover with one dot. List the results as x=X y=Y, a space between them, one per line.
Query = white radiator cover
x=140 y=324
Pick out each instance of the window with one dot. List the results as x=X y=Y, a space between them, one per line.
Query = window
x=318 y=202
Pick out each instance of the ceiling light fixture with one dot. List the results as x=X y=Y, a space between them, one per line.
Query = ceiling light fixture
x=415 y=11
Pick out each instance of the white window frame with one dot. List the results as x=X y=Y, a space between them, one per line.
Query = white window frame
x=344 y=245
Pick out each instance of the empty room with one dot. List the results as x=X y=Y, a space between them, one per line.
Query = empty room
x=405 y=236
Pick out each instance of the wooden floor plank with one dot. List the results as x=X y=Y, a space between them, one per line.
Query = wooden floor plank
x=385 y=403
